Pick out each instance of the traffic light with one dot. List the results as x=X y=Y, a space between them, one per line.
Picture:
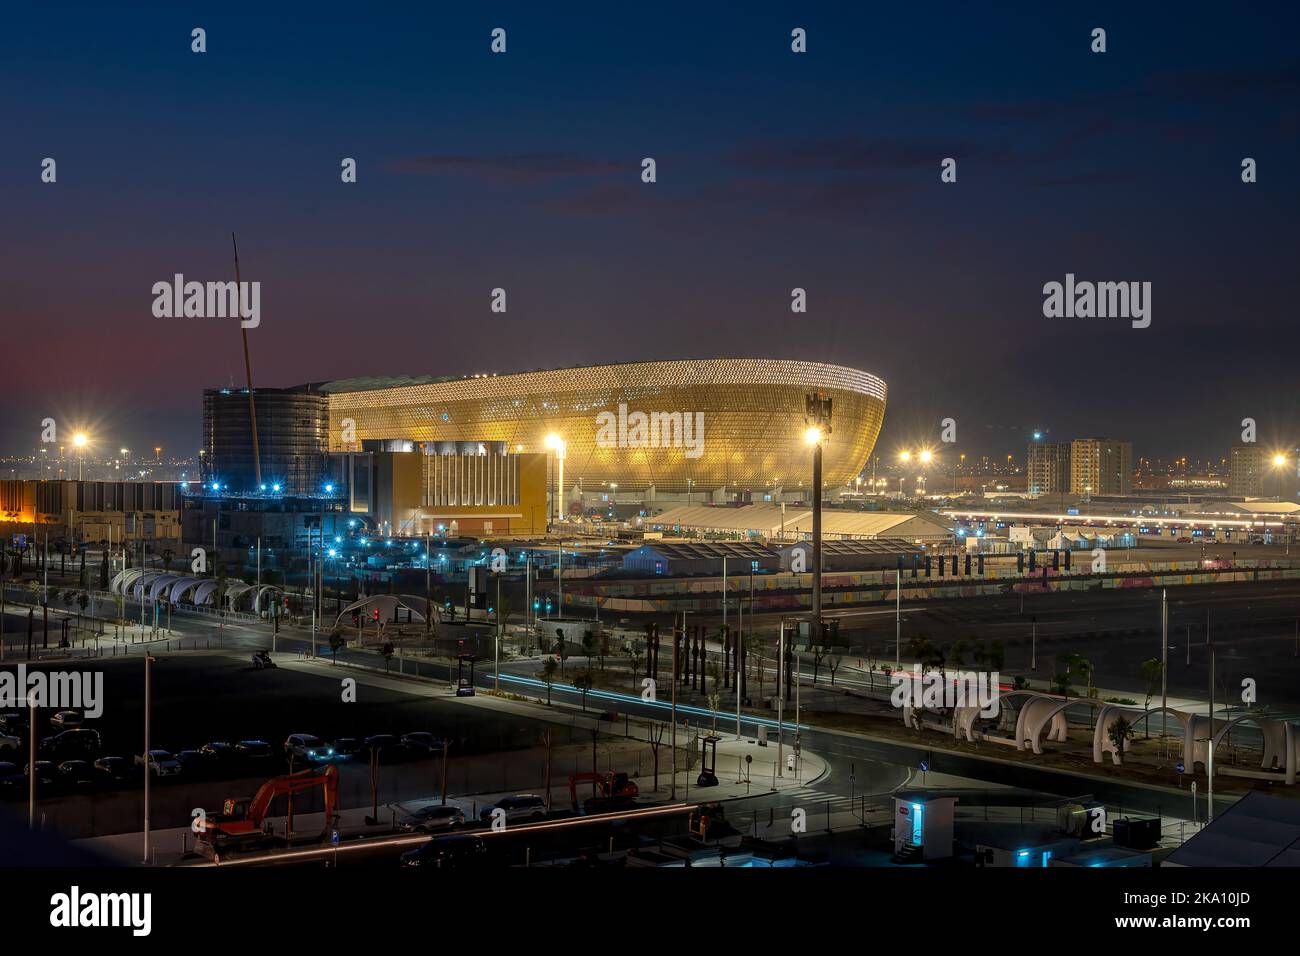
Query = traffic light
x=376 y=615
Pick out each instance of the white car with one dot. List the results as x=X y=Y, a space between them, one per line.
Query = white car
x=309 y=747
x=522 y=806
x=161 y=763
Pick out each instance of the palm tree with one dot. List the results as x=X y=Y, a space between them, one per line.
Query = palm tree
x=584 y=682
x=547 y=676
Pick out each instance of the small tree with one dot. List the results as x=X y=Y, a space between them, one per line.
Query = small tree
x=602 y=647
x=634 y=652
x=559 y=647
x=336 y=641
x=588 y=644
x=833 y=664
x=547 y=676
x=584 y=682
x=387 y=651
x=167 y=555
x=82 y=601
x=1119 y=733
x=1151 y=671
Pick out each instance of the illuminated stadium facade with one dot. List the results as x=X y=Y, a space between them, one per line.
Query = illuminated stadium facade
x=672 y=426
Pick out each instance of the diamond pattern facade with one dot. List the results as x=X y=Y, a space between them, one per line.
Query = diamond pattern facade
x=752 y=415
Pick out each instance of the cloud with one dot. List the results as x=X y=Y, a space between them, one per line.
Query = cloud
x=852 y=154
x=514 y=169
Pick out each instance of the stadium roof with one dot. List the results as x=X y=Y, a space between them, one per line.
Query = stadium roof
x=1257 y=830
x=767 y=520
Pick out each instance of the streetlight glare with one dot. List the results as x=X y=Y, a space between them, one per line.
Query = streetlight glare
x=80 y=439
x=1279 y=460
x=813 y=435
x=905 y=456
x=926 y=455
x=554 y=441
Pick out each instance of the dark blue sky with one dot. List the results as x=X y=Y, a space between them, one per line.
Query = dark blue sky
x=775 y=170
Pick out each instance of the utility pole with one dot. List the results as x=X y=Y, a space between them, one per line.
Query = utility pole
x=1209 y=760
x=1033 y=645
x=780 y=701
x=31 y=762
x=672 y=786
x=898 y=617
x=817 y=418
x=148 y=710
x=1164 y=665
x=428 y=582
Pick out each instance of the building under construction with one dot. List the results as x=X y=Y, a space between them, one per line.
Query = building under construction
x=291 y=432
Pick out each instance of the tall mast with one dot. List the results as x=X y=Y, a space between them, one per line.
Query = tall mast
x=248 y=371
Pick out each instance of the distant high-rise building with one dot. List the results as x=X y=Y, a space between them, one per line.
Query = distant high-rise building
x=1101 y=466
x=1247 y=468
x=1048 y=467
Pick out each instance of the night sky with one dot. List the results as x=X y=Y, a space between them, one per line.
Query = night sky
x=775 y=170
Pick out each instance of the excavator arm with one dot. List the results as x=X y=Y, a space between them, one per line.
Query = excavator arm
x=296 y=783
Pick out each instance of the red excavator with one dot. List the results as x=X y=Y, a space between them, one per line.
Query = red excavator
x=613 y=791
x=239 y=825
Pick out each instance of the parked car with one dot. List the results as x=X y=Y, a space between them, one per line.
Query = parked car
x=254 y=750
x=12 y=779
x=76 y=775
x=523 y=806
x=345 y=748
x=219 y=753
x=262 y=660
x=465 y=851
x=66 y=719
x=421 y=742
x=115 y=771
x=10 y=744
x=386 y=745
x=431 y=818
x=308 y=747
x=80 y=743
x=160 y=763
x=13 y=722
x=46 y=773
x=193 y=763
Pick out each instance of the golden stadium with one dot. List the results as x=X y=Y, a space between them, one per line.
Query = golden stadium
x=674 y=426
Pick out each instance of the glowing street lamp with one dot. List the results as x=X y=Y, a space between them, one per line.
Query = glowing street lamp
x=81 y=440
x=556 y=444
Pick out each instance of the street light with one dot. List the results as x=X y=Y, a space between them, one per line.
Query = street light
x=80 y=440
x=556 y=444
x=818 y=419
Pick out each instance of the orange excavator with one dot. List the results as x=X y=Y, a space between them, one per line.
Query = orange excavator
x=613 y=791
x=239 y=826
